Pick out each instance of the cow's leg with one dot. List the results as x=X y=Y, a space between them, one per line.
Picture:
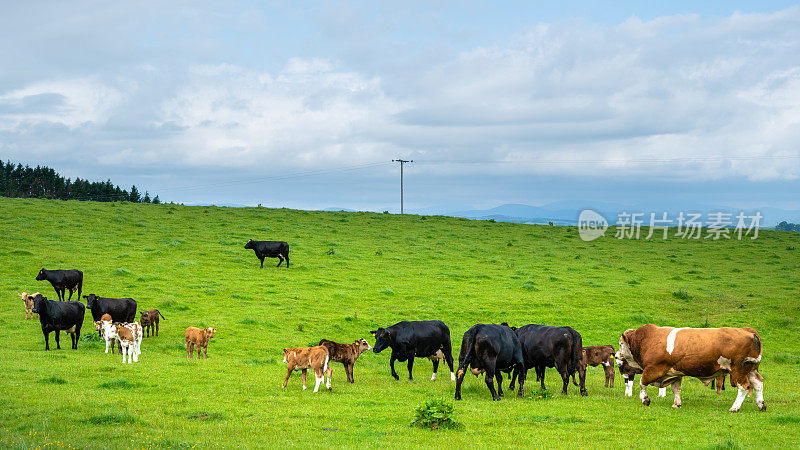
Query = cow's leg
x=643 y=394
x=329 y=374
x=199 y=348
x=490 y=367
x=459 y=380
x=499 y=376
x=280 y=260
x=435 y=369
x=513 y=378
x=348 y=369
x=573 y=378
x=565 y=378
x=303 y=375
x=676 y=390
x=742 y=394
x=662 y=391
x=447 y=349
x=58 y=339
x=189 y=349
x=112 y=348
x=392 y=359
x=320 y=378
x=582 y=379
x=649 y=375
x=47 y=340
x=521 y=374
x=262 y=262
x=540 y=376
x=287 y=260
x=410 y=368
x=289 y=373
x=70 y=294
x=758 y=386
x=609 y=371
x=156 y=327
x=629 y=385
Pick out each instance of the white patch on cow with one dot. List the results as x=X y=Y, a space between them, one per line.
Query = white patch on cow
x=758 y=388
x=662 y=392
x=724 y=362
x=676 y=389
x=71 y=329
x=671 y=339
x=628 y=387
x=642 y=392
x=625 y=354
x=606 y=363
x=748 y=359
x=739 y=399
x=433 y=377
x=304 y=387
x=319 y=380
x=452 y=376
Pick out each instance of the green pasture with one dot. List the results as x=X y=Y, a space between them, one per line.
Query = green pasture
x=353 y=272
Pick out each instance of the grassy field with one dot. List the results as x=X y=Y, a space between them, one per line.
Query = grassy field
x=353 y=272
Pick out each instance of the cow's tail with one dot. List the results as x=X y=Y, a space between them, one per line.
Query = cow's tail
x=577 y=351
x=469 y=344
x=162 y=316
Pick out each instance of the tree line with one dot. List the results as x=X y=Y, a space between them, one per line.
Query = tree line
x=787 y=226
x=44 y=182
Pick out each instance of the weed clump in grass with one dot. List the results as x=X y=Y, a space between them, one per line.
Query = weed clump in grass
x=681 y=294
x=119 y=383
x=206 y=416
x=542 y=395
x=52 y=380
x=248 y=321
x=112 y=418
x=434 y=414
x=387 y=291
x=122 y=272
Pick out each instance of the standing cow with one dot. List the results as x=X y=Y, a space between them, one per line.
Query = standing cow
x=560 y=347
x=149 y=320
x=57 y=316
x=269 y=249
x=63 y=280
x=491 y=349
x=666 y=355
x=419 y=338
x=120 y=309
x=595 y=355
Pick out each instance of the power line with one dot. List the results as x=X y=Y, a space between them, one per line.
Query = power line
x=599 y=161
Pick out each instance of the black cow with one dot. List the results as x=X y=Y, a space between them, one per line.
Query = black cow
x=120 y=309
x=421 y=338
x=63 y=280
x=491 y=348
x=269 y=249
x=57 y=316
x=559 y=347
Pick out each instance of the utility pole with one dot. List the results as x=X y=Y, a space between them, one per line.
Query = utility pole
x=401 y=161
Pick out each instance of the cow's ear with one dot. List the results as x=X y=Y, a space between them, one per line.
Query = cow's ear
x=373 y=332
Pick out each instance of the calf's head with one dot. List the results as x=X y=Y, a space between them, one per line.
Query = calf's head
x=41 y=276
x=362 y=345
x=209 y=332
x=383 y=338
x=250 y=244
x=144 y=318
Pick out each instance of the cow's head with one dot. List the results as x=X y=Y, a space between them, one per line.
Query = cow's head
x=362 y=345
x=39 y=303
x=509 y=326
x=383 y=339
x=249 y=244
x=624 y=353
x=209 y=332
x=286 y=355
x=41 y=276
x=144 y=318
x=91 y=300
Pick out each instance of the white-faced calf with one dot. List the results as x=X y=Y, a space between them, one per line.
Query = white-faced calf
x=347 y=354
x=28 y=300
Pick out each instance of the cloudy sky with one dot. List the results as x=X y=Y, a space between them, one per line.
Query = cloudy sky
x=305 y=104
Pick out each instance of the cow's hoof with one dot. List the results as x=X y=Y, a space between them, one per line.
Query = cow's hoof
x=584 y=393
x=304 y=388
x=734 y=410
x=330 y=388
x=457 y=397
x=762 y=406
x=396 y=377
x=496 y=399
x=520 y=394
x=676 y=406
x=646 y=401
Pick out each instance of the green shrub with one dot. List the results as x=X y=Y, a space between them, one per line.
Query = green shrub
x=433 y=414
x=681 y=294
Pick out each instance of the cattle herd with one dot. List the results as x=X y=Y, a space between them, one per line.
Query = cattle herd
x=662 y=356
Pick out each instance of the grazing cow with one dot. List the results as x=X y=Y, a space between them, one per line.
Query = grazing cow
x=666 y=355
x=304 y=358
x=346 y=353
x=200 y=338
x=122 y=310
x=491 y=348
x=422 y=338
x=269 y=249
x=28 y=300
x=57 y=316
x=596 y=355
x=63 y=280
x=545 y=346
x=149 y=320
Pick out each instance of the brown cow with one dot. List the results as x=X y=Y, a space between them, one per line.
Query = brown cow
x=149 y=320
x=200 y=338
x=28 y=300
x=304 y=358
x=595 y=355
x=666 y=354
x=346 y=353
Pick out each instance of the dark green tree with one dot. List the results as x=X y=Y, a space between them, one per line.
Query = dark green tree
x=134 y=196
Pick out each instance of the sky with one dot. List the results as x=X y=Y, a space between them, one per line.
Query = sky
x=304 y=104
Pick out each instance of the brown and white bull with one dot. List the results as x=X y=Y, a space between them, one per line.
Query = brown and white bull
x=665 y=355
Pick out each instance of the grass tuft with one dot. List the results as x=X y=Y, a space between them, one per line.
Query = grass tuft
x=120 y=383
x=52 y=380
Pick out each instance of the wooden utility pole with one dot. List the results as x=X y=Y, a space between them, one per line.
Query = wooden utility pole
x=401 y=161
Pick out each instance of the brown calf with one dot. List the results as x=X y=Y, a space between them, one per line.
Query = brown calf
x=28 y=299
x=304 y=358
x=346 y=353
x=200 y=338
x=149 y=320
x=596 y=355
